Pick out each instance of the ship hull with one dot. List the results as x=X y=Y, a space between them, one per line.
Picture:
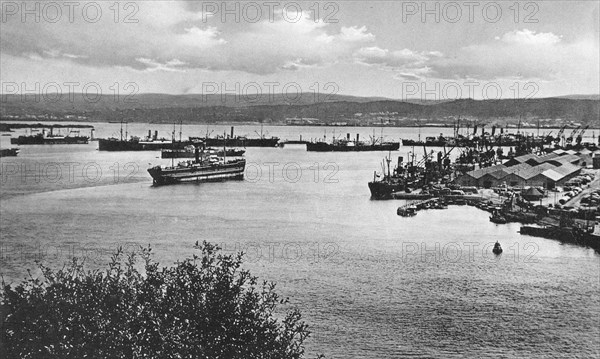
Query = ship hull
x=39 y=140
x=241 y=142
x=327 y=147
x=176 y=153
x=116 y=145
x=384 y=190
x=206 y=173
x=9 y=152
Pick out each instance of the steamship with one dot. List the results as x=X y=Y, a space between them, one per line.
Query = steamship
x=134 y=143
x=204 y=167
x=348 y=145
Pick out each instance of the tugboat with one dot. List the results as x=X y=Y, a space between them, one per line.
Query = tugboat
x=497 y=218
x=9 y=152
x=410 y=211
x=497 y=248
x=203 y=168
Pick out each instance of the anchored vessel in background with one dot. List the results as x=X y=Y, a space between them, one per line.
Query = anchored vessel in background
x=237 y=141
x=204 y=167
x=134 y=143
x=50 y=138
x=190 y=152
x=348 y=145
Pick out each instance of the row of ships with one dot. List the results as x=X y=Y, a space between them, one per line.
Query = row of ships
x=221 y=157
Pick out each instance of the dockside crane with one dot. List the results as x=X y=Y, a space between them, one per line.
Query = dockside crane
x=579 y=137
x=559 y=135
x=569 y=139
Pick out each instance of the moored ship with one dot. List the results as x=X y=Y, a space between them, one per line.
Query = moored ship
x=189 y=152
x=49 y=138
x=204 y=167
x=134 y=143
x=237 y=141
x=347 y=145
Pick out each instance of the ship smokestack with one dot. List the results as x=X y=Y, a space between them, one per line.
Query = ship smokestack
x=348 y=136
x=156 y=135
x=357 y=137
x=231 y=131
x=475 y=130
x=149 y=134
x=197 y=153
x=400 y=160
x=493 y=130
x=482 y=131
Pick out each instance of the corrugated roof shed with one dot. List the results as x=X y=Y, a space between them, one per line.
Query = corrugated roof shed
x=499 y=174
x=566 y=169
x=552 y=175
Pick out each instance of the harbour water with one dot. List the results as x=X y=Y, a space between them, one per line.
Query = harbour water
x=371 y=284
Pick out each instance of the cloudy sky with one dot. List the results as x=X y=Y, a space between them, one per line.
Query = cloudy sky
x=388 y=49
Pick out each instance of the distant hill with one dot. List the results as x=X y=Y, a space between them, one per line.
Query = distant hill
x=581 y=97
x=162 y=108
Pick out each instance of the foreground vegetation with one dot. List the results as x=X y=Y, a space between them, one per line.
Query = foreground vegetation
x=203 y=307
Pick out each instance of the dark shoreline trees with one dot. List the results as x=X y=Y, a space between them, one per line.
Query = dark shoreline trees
x=203 y=307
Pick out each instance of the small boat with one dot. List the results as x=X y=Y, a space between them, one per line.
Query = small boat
x=497 y=248
x=9 y=152
x=497 y=218
x=407 y=211
x=441 y=205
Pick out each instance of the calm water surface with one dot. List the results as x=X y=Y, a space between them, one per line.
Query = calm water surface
x=370 y=284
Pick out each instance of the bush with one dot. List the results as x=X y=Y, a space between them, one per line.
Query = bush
x=203 y=307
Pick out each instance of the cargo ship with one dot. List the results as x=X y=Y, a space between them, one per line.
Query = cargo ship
x=204 y=167
x=348 y=145
x=383 y=186
x=189 y=152
x=237 y=141
x=49 y=138
x=483 y=139
x=134 y=143
x=406 y=177
x=9 y=152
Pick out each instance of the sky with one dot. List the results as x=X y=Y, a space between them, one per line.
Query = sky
x=393 y=49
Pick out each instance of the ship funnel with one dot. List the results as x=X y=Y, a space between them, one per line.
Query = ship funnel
x=400 y=160
x=197 y=154
x=348 y=136
x=357 y=137
x=149 y=134
x=231 y=131
x=475 y=130
x=156 y=135
x=493 y=130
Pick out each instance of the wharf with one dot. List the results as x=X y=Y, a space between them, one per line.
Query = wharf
x=422 y=196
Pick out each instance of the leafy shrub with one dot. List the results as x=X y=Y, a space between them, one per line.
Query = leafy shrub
x=203 y=307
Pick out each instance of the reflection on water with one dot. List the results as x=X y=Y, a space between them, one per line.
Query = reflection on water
x=370 y=283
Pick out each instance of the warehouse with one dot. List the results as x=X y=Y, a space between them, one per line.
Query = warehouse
x=547 y=171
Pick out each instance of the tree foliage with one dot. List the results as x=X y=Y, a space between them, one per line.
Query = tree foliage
x=203 y=307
